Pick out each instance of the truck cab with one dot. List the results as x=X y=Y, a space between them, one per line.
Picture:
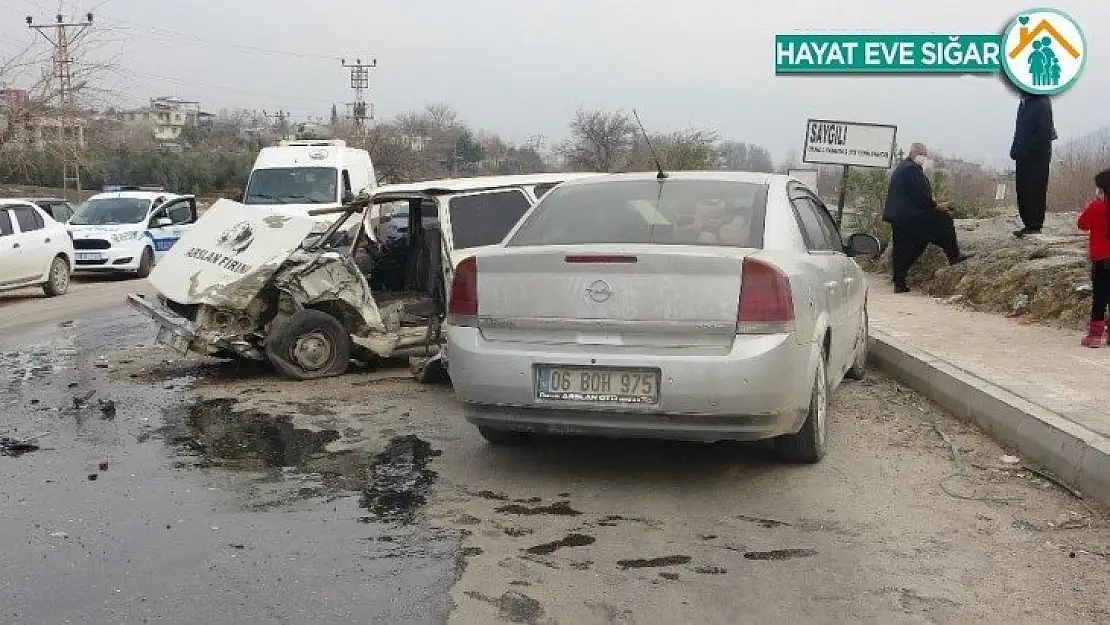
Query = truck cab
x=298 y=176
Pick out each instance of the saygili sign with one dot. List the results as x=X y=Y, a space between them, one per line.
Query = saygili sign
x=849 y=144
x=1040 y=51
x=854 y=144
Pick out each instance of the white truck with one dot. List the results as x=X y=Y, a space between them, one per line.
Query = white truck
x=299 y=176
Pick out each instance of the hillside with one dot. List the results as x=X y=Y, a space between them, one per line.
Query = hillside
x=1044 y=278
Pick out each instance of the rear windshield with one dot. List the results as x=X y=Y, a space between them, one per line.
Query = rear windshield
x=671 y=212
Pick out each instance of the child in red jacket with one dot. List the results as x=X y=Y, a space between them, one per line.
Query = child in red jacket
x=1095 y=220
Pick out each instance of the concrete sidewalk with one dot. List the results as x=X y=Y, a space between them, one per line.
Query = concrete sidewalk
x=1032 y=387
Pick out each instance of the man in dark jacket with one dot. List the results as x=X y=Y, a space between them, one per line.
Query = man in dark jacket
x=916 y=218
x=1031 y=151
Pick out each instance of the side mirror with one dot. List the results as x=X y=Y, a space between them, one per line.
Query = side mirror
x=348 y=197
x=860 y=244
x=162 y=222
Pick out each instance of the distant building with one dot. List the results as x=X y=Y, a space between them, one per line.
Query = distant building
x=40 y=132
x=168 y=118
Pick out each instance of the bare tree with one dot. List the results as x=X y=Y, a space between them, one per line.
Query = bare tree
x=740 y=156
x=600 y=141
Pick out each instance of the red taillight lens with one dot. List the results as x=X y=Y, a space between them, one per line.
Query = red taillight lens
x=462 y=307
x=766 y=304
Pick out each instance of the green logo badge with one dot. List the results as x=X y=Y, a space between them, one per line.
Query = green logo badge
x=1045 y=51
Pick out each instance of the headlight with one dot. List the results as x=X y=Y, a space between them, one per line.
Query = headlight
x=120 y=237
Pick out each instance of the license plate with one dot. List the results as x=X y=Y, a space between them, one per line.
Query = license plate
x=89 y=256
x=166 y=336
x=598 y=385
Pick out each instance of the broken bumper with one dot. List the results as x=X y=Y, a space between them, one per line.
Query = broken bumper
x=174 y=330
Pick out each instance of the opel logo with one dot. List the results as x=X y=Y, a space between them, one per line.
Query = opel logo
x=599 y=291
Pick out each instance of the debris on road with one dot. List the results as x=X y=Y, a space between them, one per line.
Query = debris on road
x=81 y=401
x=16 y=447
x=107 y=408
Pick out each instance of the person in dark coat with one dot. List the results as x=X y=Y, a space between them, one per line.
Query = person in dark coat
x=916 y=218
x=1031 y=151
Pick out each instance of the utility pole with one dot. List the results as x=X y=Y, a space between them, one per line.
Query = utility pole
x=360 y=82
x=62 y=36
x=282 y=118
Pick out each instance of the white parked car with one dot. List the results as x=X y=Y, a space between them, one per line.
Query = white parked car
x=34 y=249
x=701 y=306
x=128 y=231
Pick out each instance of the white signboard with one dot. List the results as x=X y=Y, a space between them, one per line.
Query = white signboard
x=857 y=144
x=807 y=176
x=1000 y=192
x=226 y=258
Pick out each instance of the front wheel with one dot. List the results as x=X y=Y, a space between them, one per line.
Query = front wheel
x=57 y=281
x=808 y=445
x=146 y=263
x=311 y=345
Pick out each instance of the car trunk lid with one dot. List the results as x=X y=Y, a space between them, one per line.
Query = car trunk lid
x=646 y=295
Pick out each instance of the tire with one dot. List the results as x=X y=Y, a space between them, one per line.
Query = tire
x=311 y=345
x=859 y=367
x=503 y=437
x=146 y=263
x=57 y=281
x=809 y=444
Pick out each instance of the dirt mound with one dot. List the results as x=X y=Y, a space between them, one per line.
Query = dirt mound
x=1046 y=277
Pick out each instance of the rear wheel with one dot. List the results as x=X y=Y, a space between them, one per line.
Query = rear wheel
x=146 y=262
x=311 y=345
x=808 y=445
x=503 y=437
x=859 y=367
x=428 y=371
x=57 y=281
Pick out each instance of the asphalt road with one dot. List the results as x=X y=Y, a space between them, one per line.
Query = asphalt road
x=180 y=490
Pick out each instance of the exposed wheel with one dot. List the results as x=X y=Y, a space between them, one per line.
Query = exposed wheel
x=146 y=262
x=503 y=437
x=57 y=282
x=808 y=445
x=859 y=367
x=311 y=345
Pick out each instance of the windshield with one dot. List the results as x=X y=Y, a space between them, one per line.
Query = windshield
x=674 y=212
x=293 y=185
x=111 y=211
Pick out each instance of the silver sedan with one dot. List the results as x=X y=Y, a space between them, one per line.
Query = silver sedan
x=699 y=306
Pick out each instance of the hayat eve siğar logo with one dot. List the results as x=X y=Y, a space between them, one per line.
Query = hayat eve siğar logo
x=1044 y=51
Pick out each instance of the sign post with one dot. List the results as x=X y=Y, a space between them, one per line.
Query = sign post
x=849 y=144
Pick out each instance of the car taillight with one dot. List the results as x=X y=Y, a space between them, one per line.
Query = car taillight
x=462 y=307
x=766 y=303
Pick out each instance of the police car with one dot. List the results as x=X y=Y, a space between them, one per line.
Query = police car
x=127 y=229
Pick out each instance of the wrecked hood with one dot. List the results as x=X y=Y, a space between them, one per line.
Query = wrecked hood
x=228 y=255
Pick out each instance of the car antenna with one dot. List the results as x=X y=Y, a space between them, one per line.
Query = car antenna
x=658 y=166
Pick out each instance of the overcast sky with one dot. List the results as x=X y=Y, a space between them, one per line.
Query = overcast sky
x=523 y=67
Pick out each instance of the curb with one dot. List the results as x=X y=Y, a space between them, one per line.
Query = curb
x=1077 y=456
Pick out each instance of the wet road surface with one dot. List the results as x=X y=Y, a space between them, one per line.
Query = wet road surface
x=150 y=487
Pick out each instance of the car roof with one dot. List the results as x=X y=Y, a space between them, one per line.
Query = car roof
x=139 y=195
x=7 y=202
x=476 y=183
x=42 y=199
x=752 y=177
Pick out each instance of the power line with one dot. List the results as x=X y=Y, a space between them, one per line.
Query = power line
x=180 y=36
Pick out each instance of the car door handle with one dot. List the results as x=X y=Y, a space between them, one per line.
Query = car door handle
x=47 y=240
x=16 y=245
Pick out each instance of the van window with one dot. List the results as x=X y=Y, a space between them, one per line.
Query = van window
x=5 y=223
